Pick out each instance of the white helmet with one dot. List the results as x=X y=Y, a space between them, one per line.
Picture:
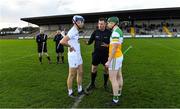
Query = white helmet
x=77 y=18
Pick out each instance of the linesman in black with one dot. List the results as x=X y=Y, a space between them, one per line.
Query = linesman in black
x=59 y=47
x=41 y=40
x=101 y=39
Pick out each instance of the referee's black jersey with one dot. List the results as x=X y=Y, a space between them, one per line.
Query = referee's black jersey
x=58 y=38
x=40 y=38
x=100 y=37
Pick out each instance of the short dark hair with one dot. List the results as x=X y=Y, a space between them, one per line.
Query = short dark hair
x=102 y=19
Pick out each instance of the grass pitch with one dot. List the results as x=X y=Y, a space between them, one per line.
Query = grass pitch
x=151 y=71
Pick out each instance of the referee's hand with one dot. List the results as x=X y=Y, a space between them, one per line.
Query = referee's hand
x=107 y=64
x=104 y=45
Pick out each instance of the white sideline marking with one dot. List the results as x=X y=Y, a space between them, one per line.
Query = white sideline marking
x=76 y=103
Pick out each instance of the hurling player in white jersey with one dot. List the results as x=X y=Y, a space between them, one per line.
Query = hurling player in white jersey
x=74 y=55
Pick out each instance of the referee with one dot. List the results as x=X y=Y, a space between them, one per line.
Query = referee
x=101 y=39
x=59 y=47
x=41 y=40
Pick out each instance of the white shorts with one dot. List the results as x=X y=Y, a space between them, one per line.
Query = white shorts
x=116 y=63
x=74 y=59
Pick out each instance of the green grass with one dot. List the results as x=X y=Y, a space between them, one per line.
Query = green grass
x=151 y=71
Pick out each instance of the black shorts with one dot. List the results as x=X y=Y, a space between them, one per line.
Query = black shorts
x=60 y=49
x=99 y=58
x=40 y=48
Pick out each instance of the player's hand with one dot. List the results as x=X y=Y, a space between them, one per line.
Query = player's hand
x=63 y=33
x=71 y=49
x=104 y=45
x=107 y=64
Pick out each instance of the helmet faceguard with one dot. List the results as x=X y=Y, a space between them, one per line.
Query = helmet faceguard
x=76 y=19
x=114 y=20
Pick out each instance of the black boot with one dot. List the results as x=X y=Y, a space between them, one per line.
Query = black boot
x=62 y=57
x=57 y=59
x=106 y=76
x=49 y=59
x=40 y=60
x=83 y=92
x=92 y=84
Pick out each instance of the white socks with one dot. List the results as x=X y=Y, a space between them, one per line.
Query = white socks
x=79 y=88
x=70 y=91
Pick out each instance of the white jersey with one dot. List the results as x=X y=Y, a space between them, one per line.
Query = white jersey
x=73 y=34
x=74 y=57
